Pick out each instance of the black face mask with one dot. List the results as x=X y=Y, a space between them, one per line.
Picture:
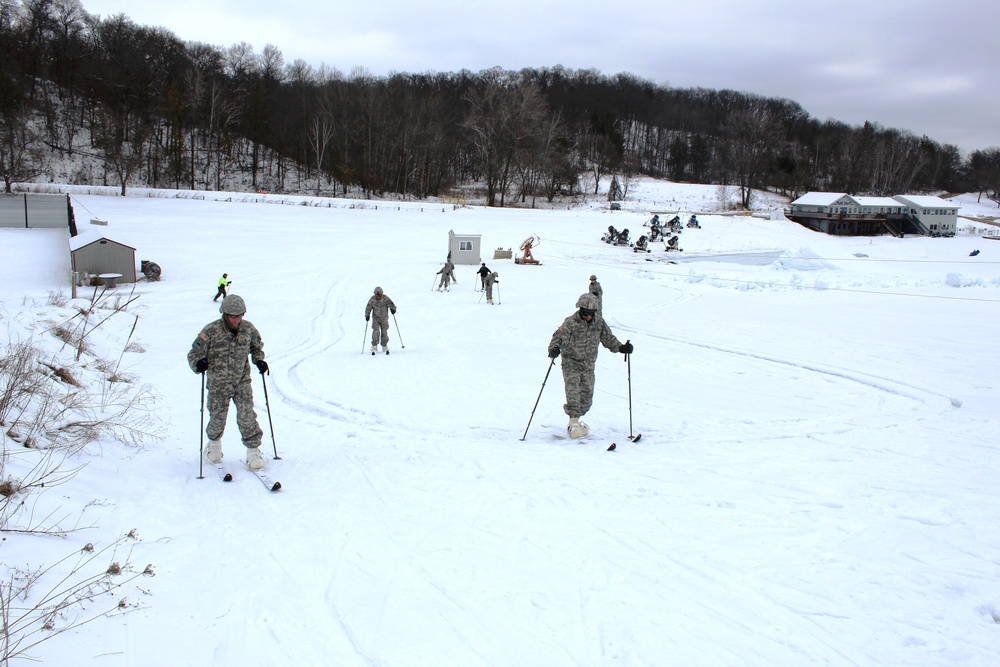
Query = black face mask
x=585 y=312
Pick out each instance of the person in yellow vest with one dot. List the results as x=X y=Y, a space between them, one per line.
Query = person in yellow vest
x=224 y=282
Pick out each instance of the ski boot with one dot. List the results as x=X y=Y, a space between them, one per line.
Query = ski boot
x=213 y=452
x=576 y=428
x=255 y=460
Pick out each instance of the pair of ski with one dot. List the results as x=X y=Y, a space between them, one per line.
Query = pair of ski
x=633 y=438
x=264 y=478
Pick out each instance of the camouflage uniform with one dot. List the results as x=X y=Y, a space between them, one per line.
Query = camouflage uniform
x=229 y=376
x=378 y=310
x=596 y=290
x=447 y=274
x=578 y=340
x=490 y=279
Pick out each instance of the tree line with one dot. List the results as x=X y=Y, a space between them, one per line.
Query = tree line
x=135 y=105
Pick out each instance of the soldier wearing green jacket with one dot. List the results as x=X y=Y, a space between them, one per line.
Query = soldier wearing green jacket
x=577 y=340
x=223 y=350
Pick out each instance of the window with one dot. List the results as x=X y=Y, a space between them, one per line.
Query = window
x=464 y=246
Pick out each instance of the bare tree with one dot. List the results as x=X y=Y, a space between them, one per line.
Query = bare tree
x=21 y=157
x=751 y=133
x=502 y=117
x=122 y=141
x=321 y=130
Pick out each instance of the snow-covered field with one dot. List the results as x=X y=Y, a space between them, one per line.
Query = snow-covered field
x=816 y=482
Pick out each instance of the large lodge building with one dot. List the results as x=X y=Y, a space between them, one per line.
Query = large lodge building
x=854 y=215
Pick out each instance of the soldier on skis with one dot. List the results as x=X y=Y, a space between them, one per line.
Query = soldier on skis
x=492 y=278
x=379 y=306
x=224 y=349
x=447 y=274
x=577 y=339
x=596 y=290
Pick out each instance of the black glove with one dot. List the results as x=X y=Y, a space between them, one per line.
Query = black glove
x=201 y=366
x=366 y=318
x=392 y=310
x=262 y=366
x=626 y=348
x=229 y=283
x=553 y=352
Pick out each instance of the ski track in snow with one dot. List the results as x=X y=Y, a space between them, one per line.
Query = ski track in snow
x=783 y=507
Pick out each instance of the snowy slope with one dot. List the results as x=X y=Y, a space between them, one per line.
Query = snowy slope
x=815 y=483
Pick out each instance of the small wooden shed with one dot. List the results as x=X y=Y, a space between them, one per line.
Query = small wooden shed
x=93 y=255
x=464 y=248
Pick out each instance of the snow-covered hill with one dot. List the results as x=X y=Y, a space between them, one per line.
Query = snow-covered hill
x=815 y=482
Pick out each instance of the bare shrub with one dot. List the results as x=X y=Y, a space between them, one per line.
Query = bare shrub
x=58 y=299
x=39 y=604
x=19 y=381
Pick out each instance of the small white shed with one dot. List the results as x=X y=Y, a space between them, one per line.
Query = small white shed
x=464 y=248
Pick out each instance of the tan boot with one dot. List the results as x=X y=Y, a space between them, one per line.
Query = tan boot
x=213 y=452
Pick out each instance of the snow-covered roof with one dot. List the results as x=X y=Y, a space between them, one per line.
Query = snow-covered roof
x=819 y=198
x=926 y=201
x=877 y=201
x=86 y=238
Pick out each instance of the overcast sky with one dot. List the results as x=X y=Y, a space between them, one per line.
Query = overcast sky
x=928 y=66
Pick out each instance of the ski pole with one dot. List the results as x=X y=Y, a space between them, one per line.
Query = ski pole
x=481 y=297
x=365 y=337
x=538 y=399
x=628 y=363
x=201 y=445
x=498 y=292
x=401 y=344
x=269 y=422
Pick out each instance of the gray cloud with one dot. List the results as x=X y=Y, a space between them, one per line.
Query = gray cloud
x=924 y=66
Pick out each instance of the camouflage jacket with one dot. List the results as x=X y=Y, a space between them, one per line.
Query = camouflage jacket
x=596 y=290
x=380 y=308
x=578 y=339
x=227 y=352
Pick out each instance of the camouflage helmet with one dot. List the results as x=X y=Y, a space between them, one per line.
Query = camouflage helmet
x=593 y=278
x=233 y=304
x=378 y=290
x=587 y=302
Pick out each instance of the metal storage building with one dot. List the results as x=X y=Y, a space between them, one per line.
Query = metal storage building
x=93 y=255
x=464 y=248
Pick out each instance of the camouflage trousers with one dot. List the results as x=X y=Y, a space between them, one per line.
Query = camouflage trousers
x=579 y=380
x=246 y=416
x=380 y=330
x=489 y=291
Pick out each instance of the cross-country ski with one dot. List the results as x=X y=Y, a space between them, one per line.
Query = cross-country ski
x=265 y=479
x=224 y=474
